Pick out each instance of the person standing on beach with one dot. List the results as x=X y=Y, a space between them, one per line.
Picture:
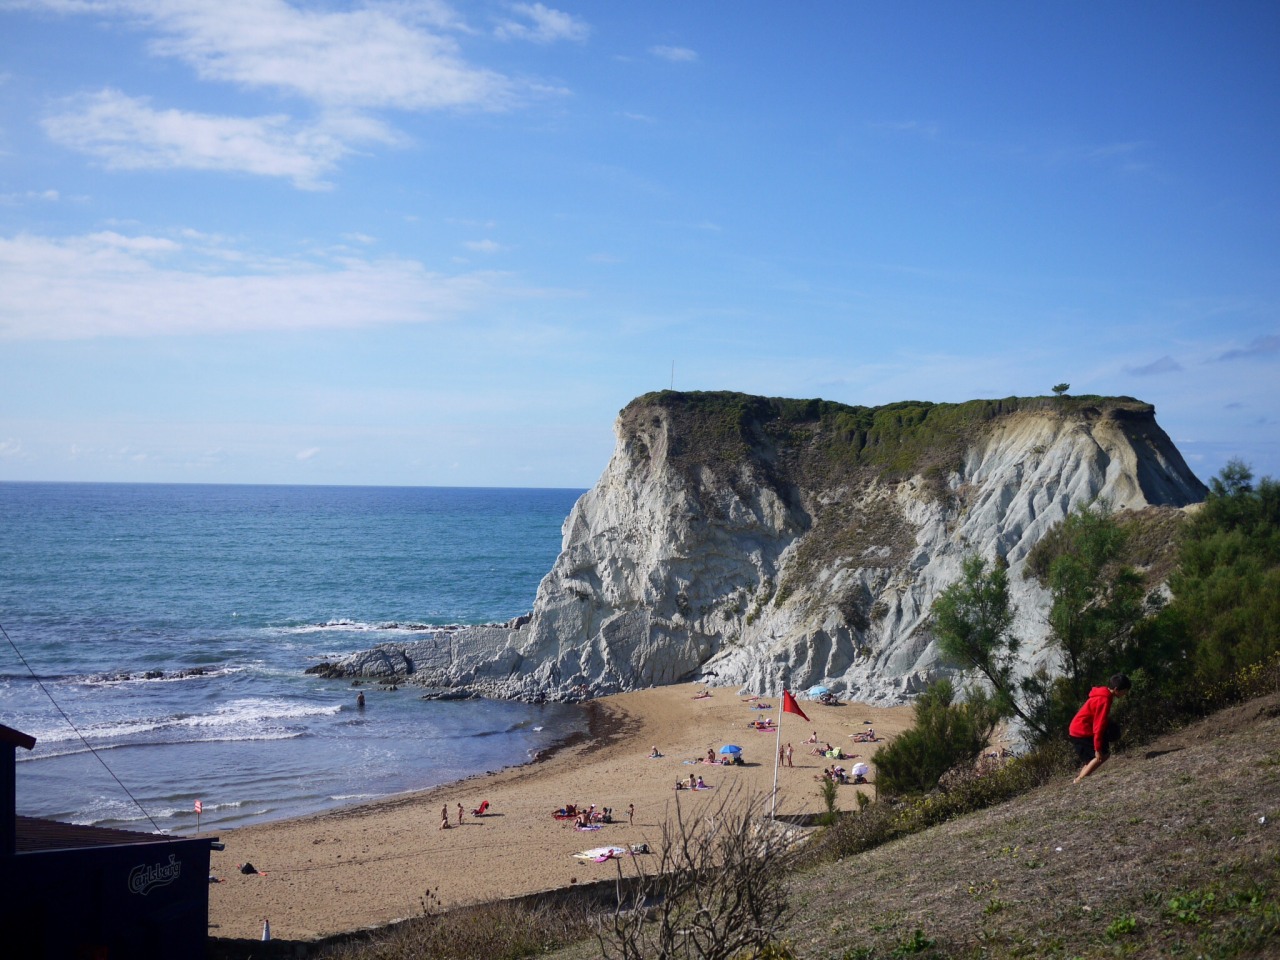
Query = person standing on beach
x=631 y=814
x=459 y=814
x=1091 y=730
x=789 y=763
x=444 y=817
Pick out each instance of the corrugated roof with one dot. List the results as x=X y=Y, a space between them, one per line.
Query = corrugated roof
x=35 y=835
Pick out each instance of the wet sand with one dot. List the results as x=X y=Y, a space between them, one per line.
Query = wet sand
x=366 y=866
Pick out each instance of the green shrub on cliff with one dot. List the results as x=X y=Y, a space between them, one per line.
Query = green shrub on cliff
x=817 y=442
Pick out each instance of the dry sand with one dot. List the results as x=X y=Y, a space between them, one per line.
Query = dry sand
x=365 y=866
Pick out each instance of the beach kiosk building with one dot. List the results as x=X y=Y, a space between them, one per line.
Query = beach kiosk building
x=90 y=893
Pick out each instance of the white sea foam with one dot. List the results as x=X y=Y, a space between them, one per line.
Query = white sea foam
x=249 y=718
x=77 y=747
x=362 y=626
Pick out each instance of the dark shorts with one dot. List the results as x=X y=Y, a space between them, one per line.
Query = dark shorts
x=1084 y=748
x=1084 y=745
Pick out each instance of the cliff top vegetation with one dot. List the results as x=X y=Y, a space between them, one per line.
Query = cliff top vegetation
x=820 y=442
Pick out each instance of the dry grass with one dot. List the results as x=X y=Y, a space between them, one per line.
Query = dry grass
x=1168 y=851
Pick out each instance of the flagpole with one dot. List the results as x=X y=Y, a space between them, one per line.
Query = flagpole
x=777 y=754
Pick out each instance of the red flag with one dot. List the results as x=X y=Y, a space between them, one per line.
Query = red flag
x=199 y=806
x=789 y=705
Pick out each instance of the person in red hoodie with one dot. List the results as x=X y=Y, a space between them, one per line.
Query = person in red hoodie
x=1091 y=731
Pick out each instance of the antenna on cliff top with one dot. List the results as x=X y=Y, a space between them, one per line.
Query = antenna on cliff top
x=673 y=374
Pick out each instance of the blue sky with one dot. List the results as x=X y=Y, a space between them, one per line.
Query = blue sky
x=443 y=244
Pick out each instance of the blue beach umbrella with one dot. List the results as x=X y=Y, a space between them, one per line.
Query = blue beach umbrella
x=730 y=748
x=818 y=691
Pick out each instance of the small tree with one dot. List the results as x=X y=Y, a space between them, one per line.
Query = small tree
x=1061 y=388
x=1227 y=585
x=971 y=621
x=946 y=734
x=716 y=891
x=827 y=790
x=1098 y=600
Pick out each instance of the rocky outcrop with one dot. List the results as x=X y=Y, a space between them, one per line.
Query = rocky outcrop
x=757 y=541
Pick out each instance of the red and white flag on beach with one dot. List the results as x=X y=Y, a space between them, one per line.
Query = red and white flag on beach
x=789 y=705
x=199 y=806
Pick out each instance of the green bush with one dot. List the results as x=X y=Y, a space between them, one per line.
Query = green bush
x=945 y=735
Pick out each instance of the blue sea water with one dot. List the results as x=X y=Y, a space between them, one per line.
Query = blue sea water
x=230 y=593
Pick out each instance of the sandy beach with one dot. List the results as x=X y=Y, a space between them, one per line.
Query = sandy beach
x=368 y=865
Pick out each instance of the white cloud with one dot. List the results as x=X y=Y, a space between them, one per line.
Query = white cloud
x=483 y=246
x=11 y=449
x=343 y=63
x=29 y=196
x=127 y=133
x=378 y=55
x=545 y=25
x=106 y=284
x=308 y=454
x=674 y=54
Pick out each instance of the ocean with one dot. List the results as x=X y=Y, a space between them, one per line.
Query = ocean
x=158 y=634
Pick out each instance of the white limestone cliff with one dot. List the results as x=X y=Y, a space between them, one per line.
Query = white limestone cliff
x=753 y=549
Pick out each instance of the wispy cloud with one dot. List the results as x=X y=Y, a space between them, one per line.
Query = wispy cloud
x=1258 y=347
x=674 y=54
x=109 y=284
x=29 y=196
x=11 y=449
x=541 y=24
x=483 y=246
x=916 y=128
x=309 y=454
x=378 y=56
x=1165 y=364
x=127 y=133
x=341 y=65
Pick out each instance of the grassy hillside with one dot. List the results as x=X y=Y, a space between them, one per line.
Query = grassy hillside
x=1169 y=851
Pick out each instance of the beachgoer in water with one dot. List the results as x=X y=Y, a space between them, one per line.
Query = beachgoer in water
x=360 y=700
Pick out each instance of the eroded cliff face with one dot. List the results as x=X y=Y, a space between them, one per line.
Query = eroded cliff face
x=759 y=542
